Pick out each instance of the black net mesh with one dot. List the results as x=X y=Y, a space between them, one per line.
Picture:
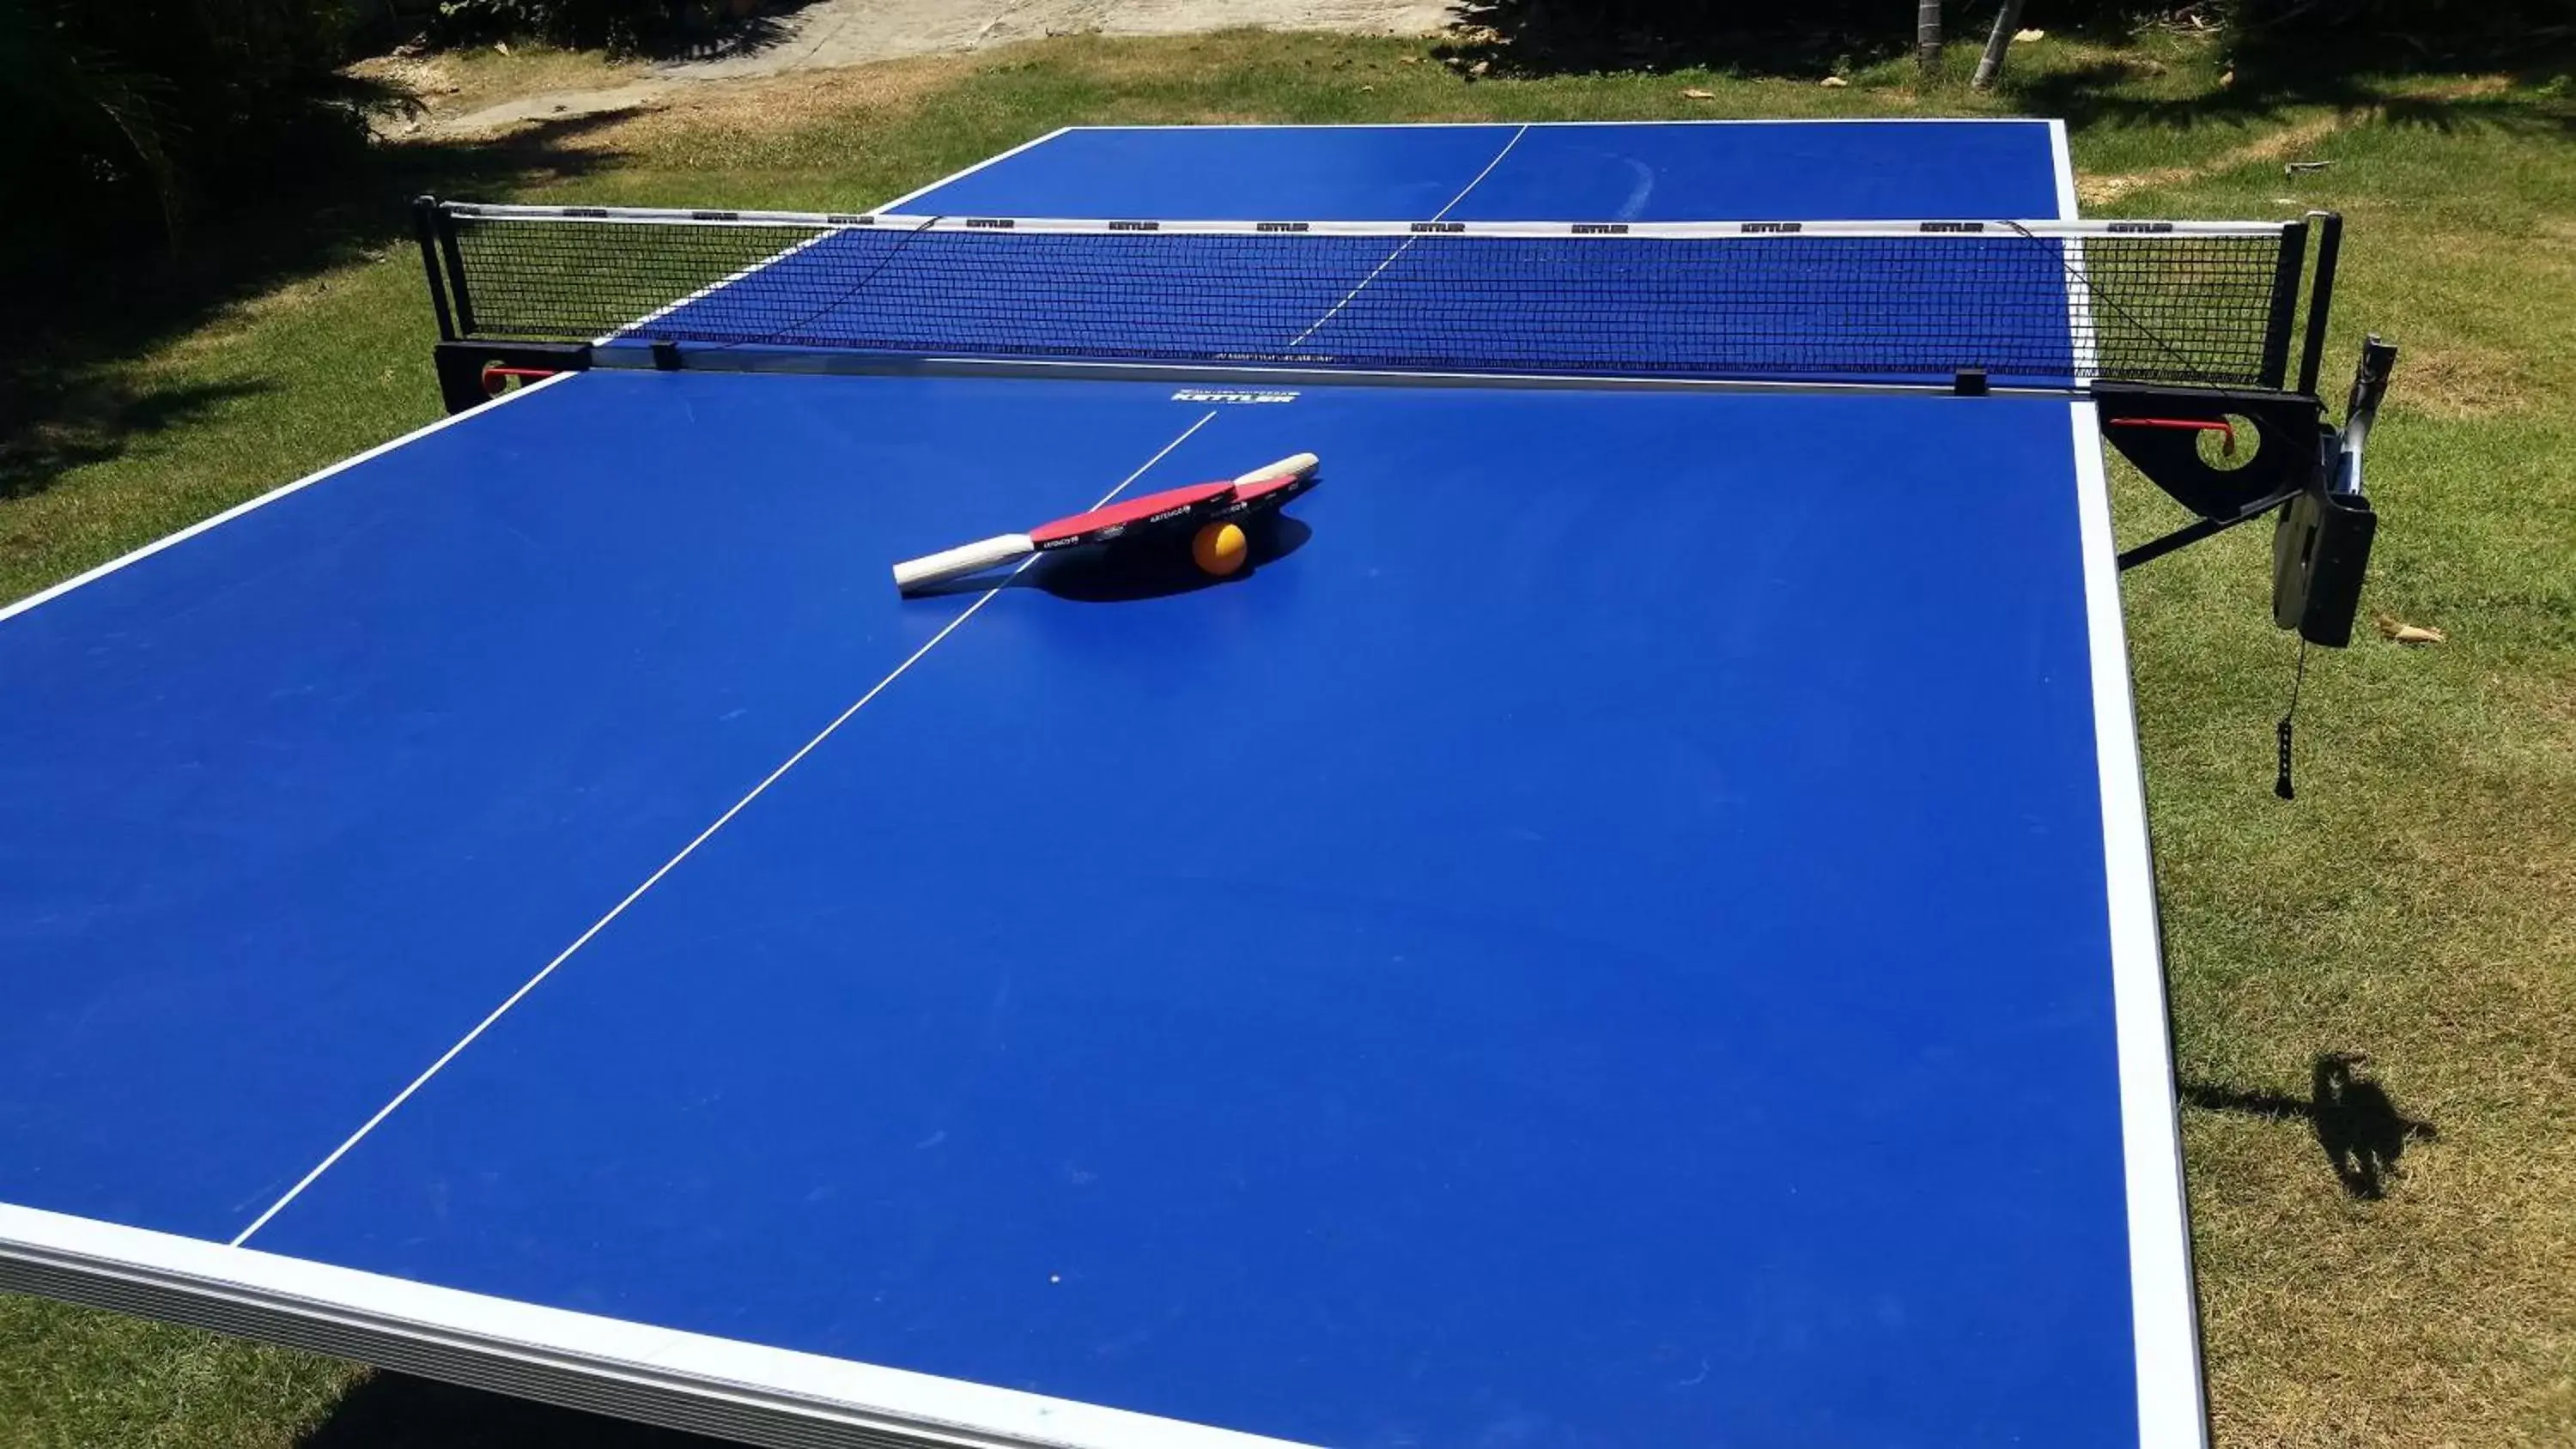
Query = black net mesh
x=2157 y=306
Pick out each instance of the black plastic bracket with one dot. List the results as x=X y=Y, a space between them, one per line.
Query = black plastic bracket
x=2191 y=533
x=464 y=376
x=2329 y=229
x=428 y=224
x=2301 y=468
x=2321 y=548
x=2290 y=446
x=2320 y=553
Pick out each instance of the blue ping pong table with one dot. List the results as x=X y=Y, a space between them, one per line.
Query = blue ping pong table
x=1636 y=930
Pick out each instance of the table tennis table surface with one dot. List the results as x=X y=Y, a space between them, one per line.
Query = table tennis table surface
x=1632 y=924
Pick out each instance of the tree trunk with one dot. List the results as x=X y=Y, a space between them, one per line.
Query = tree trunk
x=1991 y=64
x=1927 y=35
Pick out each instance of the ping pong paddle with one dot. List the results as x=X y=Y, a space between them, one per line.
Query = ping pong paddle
x=1278 y=481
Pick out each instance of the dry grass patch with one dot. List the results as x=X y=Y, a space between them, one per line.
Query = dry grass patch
x=457 y=83
x=2463 y=88
x=2458 y=380
x=2272 y=146
x=772 y=103
x=2538 y=713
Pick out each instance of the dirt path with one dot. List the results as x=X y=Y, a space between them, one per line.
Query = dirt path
x=833 y=33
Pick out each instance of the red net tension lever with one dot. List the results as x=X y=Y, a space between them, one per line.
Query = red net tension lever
x=495 y=375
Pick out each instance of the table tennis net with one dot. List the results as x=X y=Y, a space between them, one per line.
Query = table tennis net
x=2045 y=303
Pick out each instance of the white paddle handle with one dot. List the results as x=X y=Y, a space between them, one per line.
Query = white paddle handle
x=1293 y=465
x=965 y=558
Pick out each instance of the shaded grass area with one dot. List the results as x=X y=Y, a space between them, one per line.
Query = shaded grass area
x=140 y=393
x=2374 y=987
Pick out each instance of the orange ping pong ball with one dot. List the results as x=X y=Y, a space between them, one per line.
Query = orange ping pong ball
x=1218 y=548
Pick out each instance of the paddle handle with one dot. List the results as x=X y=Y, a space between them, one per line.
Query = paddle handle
x=966 y=558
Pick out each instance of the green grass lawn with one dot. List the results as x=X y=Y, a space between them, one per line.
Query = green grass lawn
x=2417 y=902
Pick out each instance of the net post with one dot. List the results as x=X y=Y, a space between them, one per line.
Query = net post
x=2285 y=304
x=2329 y=227
x=443 y=227
x=424 y=225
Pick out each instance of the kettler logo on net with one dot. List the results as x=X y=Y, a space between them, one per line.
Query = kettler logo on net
x=1206 y=395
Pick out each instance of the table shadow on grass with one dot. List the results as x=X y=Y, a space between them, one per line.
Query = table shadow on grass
x=397 y=1411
